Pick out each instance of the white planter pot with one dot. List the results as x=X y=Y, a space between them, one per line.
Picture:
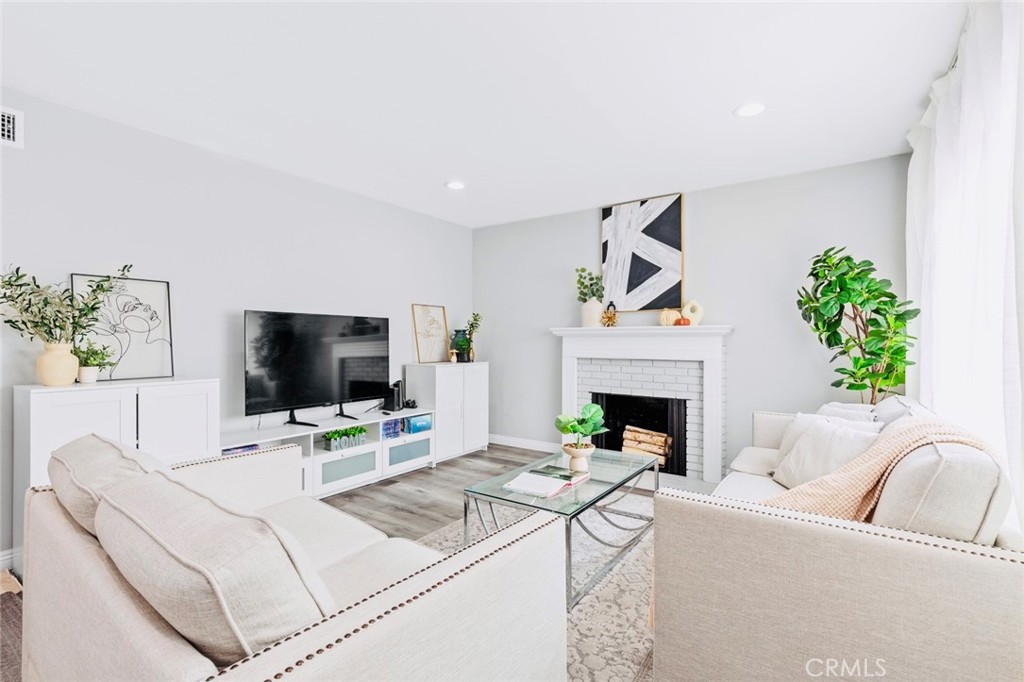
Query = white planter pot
x=88 y=375
x=56 y=366
x=578 y=457
x=590 y=313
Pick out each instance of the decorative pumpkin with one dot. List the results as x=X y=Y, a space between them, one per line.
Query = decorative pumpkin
x=668 y=317
x=694 y=312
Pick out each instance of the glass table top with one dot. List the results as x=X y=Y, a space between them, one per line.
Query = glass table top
x=609 y=470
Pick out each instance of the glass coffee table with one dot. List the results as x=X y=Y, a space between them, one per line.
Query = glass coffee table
x=613 y=475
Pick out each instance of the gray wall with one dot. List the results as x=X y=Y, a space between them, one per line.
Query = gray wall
x=87 y=194
x=747 y=250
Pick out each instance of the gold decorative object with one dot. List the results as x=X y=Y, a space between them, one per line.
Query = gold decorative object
x=609 y=318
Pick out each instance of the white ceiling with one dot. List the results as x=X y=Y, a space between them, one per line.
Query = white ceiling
x=540 y=108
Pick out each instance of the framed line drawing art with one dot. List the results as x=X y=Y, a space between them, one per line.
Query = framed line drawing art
x=135 y=323
x=430 y=327
x=642 y=253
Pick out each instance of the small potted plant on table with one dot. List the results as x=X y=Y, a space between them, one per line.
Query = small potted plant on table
x=339 y=439
x=590 y=422
x=91 y=359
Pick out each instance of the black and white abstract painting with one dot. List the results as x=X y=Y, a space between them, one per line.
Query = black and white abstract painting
x=642 y=253
x=135 y=323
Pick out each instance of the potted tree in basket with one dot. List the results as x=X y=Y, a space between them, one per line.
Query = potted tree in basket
x=590 y=422
x=859 y=317
x=55 y=316
x=91 y=359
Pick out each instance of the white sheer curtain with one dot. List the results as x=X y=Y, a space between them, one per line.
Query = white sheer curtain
x=965 y=236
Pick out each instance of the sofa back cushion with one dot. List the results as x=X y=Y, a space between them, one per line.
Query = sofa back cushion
x=946 y=489
x=81 y=470
x=228 y=582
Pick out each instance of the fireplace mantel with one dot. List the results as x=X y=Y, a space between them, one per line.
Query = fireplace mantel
x=702 y=343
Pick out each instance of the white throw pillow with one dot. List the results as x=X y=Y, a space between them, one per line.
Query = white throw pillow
x=847 y=412
x=822 y=449
x=802 y=422
x=81 y=470
x=860 y=407
x=898 y=406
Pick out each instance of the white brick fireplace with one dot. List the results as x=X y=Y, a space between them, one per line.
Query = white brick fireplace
x=685 y=363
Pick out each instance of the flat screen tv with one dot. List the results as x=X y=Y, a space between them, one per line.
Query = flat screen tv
x=297 y=360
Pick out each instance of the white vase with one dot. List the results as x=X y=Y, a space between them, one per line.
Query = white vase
x=88 y=375
x=56 y=366
x=590 y=313
x=578 y=457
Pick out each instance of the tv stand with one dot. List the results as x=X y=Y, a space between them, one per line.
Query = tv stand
x=341 y=412
x=292 y=420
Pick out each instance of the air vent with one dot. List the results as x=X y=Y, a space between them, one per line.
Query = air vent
x=12 y=127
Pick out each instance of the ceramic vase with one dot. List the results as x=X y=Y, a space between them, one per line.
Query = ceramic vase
x=457 y=340
x=56 y=366
x=590 y=313
x=579 y=457
x=88 y=375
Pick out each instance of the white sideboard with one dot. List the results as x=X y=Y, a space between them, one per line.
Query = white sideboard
x=172 y=419
x=459 y=395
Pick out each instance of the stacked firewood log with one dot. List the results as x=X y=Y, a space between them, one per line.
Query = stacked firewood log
x=646 y=442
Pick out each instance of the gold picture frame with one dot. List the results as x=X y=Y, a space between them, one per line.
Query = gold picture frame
x=430 y=330
x=635 y=283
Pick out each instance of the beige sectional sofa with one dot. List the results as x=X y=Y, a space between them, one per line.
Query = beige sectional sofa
x=222 y=570
x=744 y=591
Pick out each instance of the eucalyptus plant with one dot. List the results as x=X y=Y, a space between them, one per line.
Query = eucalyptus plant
x=51 y=313
x=588 y=285
x=473 y=326
x=858 y=316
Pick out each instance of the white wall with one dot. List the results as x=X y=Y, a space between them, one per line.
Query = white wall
x=87 y=194
x=746 y=251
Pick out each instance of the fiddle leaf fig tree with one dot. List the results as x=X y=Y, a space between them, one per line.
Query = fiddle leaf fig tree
x=858 y=316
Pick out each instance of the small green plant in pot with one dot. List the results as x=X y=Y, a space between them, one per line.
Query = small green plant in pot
x=339 y=439
x=590 y=292
x=858 y=316
x=91 y=359
x=590 y=422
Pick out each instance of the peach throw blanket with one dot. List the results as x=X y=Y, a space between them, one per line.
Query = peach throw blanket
x=852 y=491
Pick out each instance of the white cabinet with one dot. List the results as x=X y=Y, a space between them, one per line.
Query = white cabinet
x=458 y=394
x=173 y=419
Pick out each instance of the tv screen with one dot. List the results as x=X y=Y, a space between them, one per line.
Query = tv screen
x=296 y=360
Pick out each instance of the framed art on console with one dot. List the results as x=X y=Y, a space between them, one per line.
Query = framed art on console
x=430 y=327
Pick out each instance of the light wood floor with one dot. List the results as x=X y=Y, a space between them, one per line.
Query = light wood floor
x=420 y=502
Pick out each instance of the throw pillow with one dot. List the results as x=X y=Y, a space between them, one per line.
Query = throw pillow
x=228 y=582
x=846 y=412
x=897 y=406
x=802 y=422
x=85 y=467
x=861 y=407
x=822 y=449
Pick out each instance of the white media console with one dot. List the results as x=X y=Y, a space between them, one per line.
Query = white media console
x=325 y=473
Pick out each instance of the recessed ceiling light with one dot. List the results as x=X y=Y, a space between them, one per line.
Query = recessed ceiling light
x=749 y=109
x=455 y=184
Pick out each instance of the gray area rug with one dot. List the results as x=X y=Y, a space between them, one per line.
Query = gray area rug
x=609 y=640
x=10 y=637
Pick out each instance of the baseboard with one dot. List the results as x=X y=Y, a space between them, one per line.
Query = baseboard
x=525 y=443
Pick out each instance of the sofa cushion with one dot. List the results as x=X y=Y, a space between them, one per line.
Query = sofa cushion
x=802 y=422
x=755 y=460
x=946 y=489
x=326 y=534
x=847 y=412
x=747 y=487
x=896 y=406
x=85 y=467
x=376 y=567
x=822 y=449
x=226 y=581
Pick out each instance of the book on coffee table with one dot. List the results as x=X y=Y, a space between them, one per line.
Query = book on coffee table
x=546 y=481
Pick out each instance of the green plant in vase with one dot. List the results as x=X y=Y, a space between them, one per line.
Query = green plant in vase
x=590 y=292
x=590 y=422
x=54 y=315
x=858 y=316
x=472 y=327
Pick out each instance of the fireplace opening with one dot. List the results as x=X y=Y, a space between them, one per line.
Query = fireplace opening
x=659 y=415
